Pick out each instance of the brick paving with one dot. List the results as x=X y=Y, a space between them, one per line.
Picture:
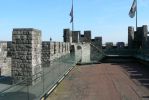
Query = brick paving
x=107 y=81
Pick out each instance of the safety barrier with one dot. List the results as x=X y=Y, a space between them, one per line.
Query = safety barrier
x=50 y=76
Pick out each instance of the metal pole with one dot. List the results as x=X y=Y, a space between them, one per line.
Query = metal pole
x=136 y=15
x=72 y=17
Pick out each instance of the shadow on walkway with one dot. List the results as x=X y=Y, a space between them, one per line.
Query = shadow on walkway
x=138 y=72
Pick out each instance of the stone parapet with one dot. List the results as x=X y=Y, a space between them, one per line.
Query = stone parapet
x=5 y=61
x=26 y=55
x=130 y=37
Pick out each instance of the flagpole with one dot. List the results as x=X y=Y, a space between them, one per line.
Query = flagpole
x=136 y=15
x=73 y=18
x=72 y=26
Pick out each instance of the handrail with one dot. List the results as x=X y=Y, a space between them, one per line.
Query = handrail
x=41 y=72
x=97 y=48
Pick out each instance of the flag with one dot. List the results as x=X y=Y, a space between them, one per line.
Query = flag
x=71 y=14
x=133 y=9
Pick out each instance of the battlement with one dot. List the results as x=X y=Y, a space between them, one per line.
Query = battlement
x=139 y=38
x=24 y=55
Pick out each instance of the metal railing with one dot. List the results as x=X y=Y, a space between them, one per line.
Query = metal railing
x=142 y=54
x=119 y=51
x=97 y=53
x=138 y=53
x=50 y=75
x=53 y=72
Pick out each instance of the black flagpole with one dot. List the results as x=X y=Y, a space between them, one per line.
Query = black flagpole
x=136 y=15
x=72 y=17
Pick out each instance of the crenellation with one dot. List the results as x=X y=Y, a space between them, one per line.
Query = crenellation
x=144 y=37
x=96 y=46
x=67 y=35
x=5 y=60
x=28 y=52
x=61 y=47
x=87 y=36
x=26 y=56
x=138 y=39
x=64 y=51
x=75 y=36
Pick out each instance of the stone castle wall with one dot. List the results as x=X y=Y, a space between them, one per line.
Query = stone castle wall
x=54 y=50
x=26 y=55
x=95 y=47
x=87 y=36
x=138 y=39
x=5 y=61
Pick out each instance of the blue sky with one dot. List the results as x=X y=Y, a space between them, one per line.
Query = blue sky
x=106 y=18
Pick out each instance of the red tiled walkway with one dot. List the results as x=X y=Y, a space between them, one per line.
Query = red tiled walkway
x=103 y=82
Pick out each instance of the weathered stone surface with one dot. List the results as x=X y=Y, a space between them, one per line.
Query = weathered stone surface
x=46 y=52
x=5 y=61
x=52 y=51
x=3 y=49
x=96 y=47
x=26 y=55
x=61 y=47
x=56 y=49
x=67 y=47
x=67 y=35
x=86 y=50
x=144 y=37
x=75 y=36
x=130 y=37
x=82 y=52
x=5 y=66
x=87 y=36
x=140 y=37
x=81 y=38
x=98 y=42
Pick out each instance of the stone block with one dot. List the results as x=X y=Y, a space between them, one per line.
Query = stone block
x=67 y=35
x=75 y=36
x=130 y=37
x=64 y=48
x=87 y=36
x=26 y=58
x=144 y=37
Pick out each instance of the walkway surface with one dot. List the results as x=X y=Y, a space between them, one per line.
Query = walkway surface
x=109 y=81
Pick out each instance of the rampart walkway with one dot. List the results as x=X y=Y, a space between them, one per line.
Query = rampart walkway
x=107 y=81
